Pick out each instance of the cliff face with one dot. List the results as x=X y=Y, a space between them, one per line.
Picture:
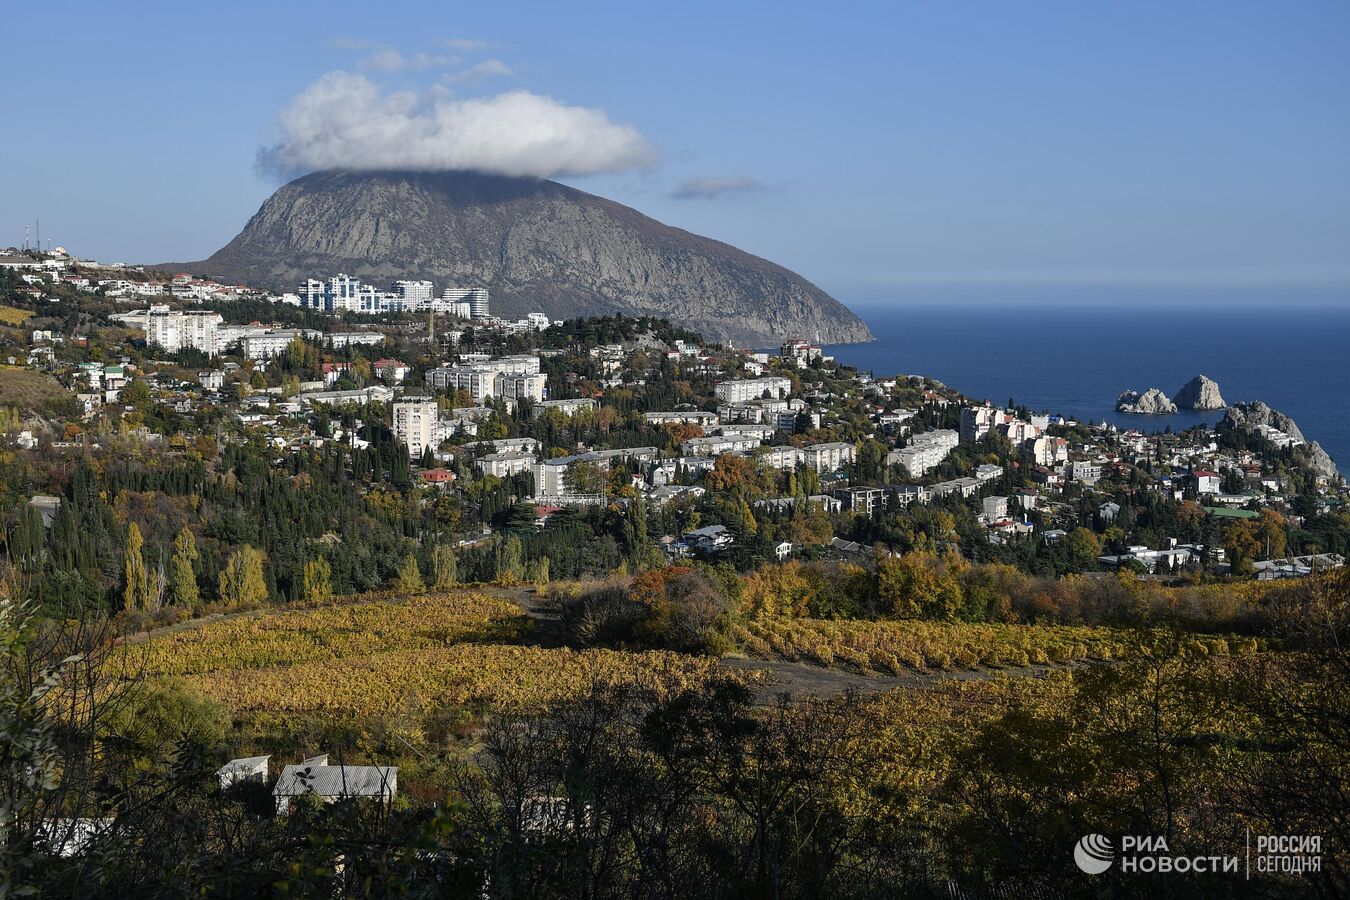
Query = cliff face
x=1201 y=392
x=1252 y=415
x=535 y=244
x=1152 y=402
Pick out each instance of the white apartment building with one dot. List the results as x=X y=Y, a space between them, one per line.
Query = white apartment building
x=1046 y=450
x=550 y=476
x=172 y=329
x=977 y=421
x=415 y=425
x=716 y=446
x=478 y=381
x=519 y=387
x=414 y=293
x=781 y=456
x=261 y=343
x=505 y=464
x=340 y=339
x=827 y=457
x=753 y=388
x=691 y=417
x=1088 y=472
x=468 y=303
x=568 y=407
x=925 y=451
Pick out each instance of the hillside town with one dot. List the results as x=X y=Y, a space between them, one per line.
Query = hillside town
x=588 y=430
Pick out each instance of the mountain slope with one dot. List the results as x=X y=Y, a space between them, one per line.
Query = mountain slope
x=537 y=245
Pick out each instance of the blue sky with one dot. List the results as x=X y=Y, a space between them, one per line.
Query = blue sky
x=868 y=146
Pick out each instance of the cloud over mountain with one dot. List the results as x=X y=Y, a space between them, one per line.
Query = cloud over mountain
x=345 y=121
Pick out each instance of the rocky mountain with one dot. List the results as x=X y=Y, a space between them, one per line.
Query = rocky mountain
x=1201 y=392
x=535 y=244
x=1254 y=415
x=1152 y=402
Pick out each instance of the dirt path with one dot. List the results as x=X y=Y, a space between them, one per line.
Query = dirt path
x=140 y=637
x=800 y=679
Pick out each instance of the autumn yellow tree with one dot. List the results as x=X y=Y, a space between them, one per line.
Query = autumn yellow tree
x=410 y=576
x=317 y=581
x=444 y=567
x=182 y=572
x=241 y=580
x=136 y=593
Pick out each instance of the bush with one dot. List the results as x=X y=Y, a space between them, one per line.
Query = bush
x=602 y=615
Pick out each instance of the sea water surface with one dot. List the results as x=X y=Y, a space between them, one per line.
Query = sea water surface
x=1073 y=351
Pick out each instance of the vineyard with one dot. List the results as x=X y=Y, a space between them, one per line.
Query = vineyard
x=895 y=647
x=398 y=656
x=500 y=676
x=290 y=637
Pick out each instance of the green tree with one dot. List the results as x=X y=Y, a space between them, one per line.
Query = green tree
x=584 y=478
x=241 y=580
x=1083 y=547
x=136 y=592
x=317 y=581
x=182 y=572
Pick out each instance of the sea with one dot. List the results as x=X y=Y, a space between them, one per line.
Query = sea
x=1073 y=350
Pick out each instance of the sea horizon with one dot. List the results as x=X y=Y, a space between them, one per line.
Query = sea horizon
x=1072 y=349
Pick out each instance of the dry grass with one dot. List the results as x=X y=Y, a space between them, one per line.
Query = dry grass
x=12 y=315
x=27 y=388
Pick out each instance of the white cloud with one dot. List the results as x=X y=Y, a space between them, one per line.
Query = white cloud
x=344 y=121
x=488 y=68
x=394 y=61
x=711 y=187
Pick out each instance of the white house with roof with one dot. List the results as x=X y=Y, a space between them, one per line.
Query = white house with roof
x=333 y=783
x=238 y=771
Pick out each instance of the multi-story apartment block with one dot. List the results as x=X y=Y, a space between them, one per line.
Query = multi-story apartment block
x=519 y=387
x=505 y=464
x=414 y=294
x=781 y=456
x=690 y=417
x=415 y=424
x=753 y=388
x=924 y=452
x=569 y=407
x=477 y=380
x=550 y=476
x=716 y=446
x=827 y=457
x=467 y=303
x=803 y=353
x=173 y=330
